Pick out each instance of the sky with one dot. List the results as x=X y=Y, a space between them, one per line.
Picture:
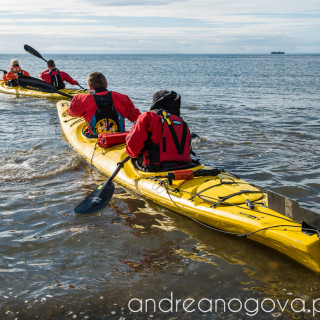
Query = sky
x=160 y=26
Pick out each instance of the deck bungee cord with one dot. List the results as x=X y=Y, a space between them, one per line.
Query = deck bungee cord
x=103 y=152
x=73 y=118
x=242 y=235
x=77 y=121
x=214 y=200
x=165 y=184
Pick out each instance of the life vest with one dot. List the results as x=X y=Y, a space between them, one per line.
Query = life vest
x=16 y=69
x=174 y=145
x=14 y=72
x=56 y=80
x=106 y=118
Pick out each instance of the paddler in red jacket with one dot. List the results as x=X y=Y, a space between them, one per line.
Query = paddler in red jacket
x=104 y=110
x=56 y=77
x=15 y=71
x=160 y=138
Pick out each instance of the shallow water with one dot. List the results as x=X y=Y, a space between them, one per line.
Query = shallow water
x=257 y=116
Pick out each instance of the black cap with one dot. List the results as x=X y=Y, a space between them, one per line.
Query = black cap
x=167 y=100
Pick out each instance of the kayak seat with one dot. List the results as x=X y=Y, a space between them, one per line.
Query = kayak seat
x=85 y=132
x=12 y=83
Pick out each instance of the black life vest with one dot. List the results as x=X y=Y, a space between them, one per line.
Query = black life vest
x=56 y=80
x=174 y=145
x=106 y=118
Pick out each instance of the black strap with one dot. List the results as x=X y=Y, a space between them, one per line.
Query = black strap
x=107 y=97
x=179 y=147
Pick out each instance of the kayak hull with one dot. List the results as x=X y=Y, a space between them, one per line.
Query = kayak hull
x=19 y=92
x=201 y=198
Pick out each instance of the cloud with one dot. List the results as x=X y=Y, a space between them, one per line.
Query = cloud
x=121 y=3
x=203 y=26
x=203 y=9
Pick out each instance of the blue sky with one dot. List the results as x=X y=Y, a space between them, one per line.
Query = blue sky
x=160 y=26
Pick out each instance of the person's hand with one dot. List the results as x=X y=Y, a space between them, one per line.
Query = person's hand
x=77 y=83
x=5 y=72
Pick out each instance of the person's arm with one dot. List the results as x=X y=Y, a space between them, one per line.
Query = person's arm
x=125 y=106
x=67 y=78
x=10 y=76
x=45 y=76
x=76 y=106
x=82 y=105
x=25 y=73
x=137 y=136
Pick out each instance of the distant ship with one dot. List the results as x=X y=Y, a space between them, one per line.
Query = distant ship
x=277 y=52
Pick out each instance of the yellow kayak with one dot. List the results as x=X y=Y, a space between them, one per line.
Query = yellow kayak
x=222 y=202
x=19 y=91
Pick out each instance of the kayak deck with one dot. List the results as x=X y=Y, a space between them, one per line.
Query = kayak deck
x=19 y=91
x=221 y=201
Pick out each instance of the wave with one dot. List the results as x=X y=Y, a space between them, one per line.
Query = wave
x=35 y=164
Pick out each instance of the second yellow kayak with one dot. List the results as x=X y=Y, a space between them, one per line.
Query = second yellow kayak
x=19 y=91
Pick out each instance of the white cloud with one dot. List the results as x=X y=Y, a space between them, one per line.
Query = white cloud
x=204 y=9
x=203 y=25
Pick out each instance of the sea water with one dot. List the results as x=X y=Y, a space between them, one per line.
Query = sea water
x=257 y=116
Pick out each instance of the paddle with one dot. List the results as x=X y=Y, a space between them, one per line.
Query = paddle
x=101 y=196
x=4 y=71
x=39 y=85
x=37 y=54
x=34 y=52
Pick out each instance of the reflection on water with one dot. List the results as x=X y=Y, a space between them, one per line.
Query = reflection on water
x=255 y=118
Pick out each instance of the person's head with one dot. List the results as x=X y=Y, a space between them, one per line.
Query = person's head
x=14 y=63
x=167 y=100
x=51 y=64
x=97 y=80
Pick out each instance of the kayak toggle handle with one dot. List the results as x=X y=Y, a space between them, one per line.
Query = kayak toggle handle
x=249 y=204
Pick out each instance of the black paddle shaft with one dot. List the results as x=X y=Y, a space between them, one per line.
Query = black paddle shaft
x=119 y=166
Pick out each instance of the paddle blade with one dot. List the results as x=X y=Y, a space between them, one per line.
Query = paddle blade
x=97 y=200
x=31 y=83
x=33 y=52
x=35 y=84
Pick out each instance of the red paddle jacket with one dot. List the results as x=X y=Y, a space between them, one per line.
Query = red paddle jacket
x=84 y=105
x=45 y=76
x=14 y=72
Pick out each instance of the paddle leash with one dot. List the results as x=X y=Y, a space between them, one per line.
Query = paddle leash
x=101 y=196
